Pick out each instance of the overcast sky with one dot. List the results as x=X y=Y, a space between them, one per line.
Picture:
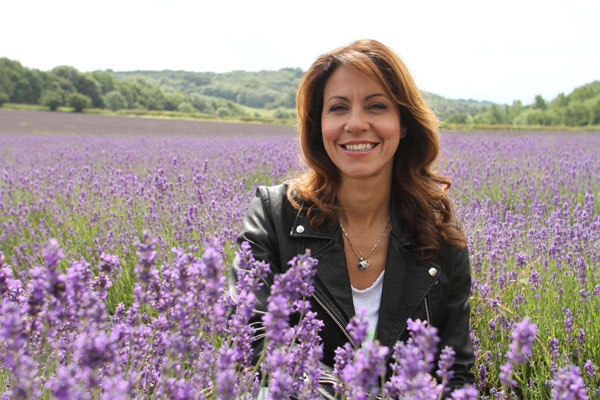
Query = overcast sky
x=484 y=50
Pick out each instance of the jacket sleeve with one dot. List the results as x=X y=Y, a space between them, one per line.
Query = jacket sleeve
x=455 y=326
x=259 y=231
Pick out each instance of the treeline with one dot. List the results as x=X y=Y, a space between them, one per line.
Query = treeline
x=263 y=89
x=580 y=108
x=66 y=86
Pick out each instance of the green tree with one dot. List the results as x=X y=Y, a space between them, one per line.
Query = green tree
x=186 y=107
x=78 y=101
x=459 y=118
x=281 y=113
x=201 y=104
x=560 y=101
x=3 y=96
x=21 y=84
x=540 y=103
x=105 y=80
x=52 y=99
x=530 y=117
x=576 y=114
x=594 y=111
x=127 y=93
x=88 y=86
x=67 y=72
x=495 y=113
x=223 y=112
x=587 y=91
x=115 y=100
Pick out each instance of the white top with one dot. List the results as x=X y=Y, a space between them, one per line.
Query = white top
x=369 y=299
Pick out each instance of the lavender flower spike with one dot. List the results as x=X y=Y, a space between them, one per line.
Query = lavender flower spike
x=523 y=336
x=568 y=385
x=466 y=393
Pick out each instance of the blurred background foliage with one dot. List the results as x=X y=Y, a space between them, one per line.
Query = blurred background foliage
x=262 y=95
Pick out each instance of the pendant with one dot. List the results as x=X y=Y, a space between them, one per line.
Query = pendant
x=363 y=264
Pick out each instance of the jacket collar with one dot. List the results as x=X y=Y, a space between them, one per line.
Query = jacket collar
x=301 y=229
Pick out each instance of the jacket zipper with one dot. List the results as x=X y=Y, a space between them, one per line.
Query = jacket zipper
x=338 y=323
x=426 y=302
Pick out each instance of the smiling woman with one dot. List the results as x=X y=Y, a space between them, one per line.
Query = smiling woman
x=371 y=209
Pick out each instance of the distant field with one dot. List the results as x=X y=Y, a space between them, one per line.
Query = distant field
x=26 y=121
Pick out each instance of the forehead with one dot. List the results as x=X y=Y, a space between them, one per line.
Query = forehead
x=345 y=81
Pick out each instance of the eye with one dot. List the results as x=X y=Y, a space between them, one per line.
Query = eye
x=337 y=107
x=377 y=106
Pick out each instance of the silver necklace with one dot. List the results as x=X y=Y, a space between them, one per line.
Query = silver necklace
x=363 y=262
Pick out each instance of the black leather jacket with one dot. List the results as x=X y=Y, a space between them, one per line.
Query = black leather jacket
x=437 y=291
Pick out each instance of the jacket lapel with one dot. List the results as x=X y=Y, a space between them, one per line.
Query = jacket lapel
x=405 y=284
x=332 y=283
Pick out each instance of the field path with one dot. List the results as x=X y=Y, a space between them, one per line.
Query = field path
x=25 y=121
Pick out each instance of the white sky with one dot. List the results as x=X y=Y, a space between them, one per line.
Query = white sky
x=485 y=50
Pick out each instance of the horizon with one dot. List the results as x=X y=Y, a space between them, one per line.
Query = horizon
x=463 y=50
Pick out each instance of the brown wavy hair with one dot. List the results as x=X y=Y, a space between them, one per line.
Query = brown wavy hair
x=422 y=203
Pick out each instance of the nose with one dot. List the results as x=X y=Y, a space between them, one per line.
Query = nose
x=357 y=121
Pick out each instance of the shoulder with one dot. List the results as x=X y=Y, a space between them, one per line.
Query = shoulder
x=273 y=200
x=267 y=225
x=272 y=203
x=273 y=195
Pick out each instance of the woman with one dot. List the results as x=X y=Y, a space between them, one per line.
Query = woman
x=370 y=208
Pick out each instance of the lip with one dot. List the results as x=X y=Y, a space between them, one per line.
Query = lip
x=358 y=153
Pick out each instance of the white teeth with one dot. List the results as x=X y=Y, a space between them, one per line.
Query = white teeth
x=359 y=147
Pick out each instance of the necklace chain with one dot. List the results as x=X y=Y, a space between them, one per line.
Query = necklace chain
x=363 y=262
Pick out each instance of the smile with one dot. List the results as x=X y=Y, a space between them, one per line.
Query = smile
x=359 y=147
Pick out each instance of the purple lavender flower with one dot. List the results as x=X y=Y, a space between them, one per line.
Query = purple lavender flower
x=445 y=363
x=506 y=374
x=6 y=275
x=357 y=327
x=286 y=289
x=568 y=384
x=413 y=362
x=225 y=376
x=523 y=336
x=52 y=254
x=468 y=392
x=146 y=256
x=367 y=366
x=590 y=368
x=291 y=352
x=568 y=323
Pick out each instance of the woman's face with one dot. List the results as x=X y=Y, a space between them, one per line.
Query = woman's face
x=360 y=124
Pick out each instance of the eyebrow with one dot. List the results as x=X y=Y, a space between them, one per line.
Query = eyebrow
x=346 y=99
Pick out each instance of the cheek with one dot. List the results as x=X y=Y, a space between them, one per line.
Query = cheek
x=392 y=132
x=329 y=132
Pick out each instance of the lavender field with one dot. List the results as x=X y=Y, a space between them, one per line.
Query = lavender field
x=114 y=252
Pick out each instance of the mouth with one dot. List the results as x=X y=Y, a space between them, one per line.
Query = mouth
x=359 y=146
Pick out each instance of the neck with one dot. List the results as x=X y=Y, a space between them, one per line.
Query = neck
x=364 y=203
